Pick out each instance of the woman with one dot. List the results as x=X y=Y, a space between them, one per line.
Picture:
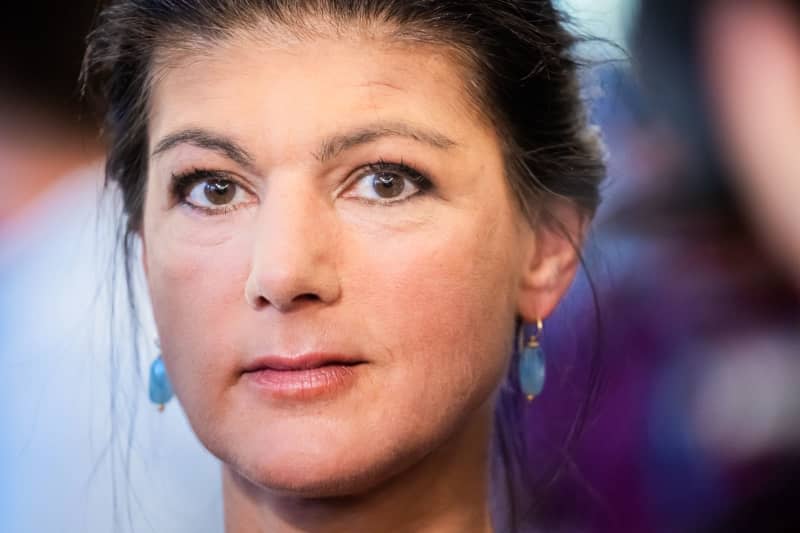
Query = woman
x=345 y=211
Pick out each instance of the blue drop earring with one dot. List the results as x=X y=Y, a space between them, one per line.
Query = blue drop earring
x=532 y=364
x=159 y=388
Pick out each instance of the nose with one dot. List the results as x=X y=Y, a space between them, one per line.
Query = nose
x=294 y=250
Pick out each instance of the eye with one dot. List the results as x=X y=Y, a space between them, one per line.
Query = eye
x=209 y=191
x=387 y=183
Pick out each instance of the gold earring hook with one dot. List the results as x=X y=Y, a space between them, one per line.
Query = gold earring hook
x=533 y=341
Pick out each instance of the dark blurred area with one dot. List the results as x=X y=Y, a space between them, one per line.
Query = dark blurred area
x=43 y=44
x=698 y=426
x=695 y=260
x=44 y=135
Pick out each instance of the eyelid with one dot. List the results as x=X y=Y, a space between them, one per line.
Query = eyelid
x=417 y=178
x=181 y=184
x=180 y=180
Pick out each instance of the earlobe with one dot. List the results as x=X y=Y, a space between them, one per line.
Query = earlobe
x=550 y=265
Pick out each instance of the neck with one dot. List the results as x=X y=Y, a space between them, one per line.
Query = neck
x=445 y=492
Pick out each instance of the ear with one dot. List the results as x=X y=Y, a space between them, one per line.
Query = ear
x=550 y=261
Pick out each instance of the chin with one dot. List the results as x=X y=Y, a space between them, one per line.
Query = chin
x=308 y=466
x=321 y=477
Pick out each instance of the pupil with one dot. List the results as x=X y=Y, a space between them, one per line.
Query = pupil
x=388 y=186
x=219 y=192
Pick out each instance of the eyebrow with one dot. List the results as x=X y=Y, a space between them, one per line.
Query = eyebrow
x=329 y=147
x=208 y=141
x=336 y=144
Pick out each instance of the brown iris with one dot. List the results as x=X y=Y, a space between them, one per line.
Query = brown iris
x=219 y=192
x=388 y=185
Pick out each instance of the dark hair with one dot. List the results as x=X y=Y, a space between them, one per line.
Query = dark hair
x=519 y=53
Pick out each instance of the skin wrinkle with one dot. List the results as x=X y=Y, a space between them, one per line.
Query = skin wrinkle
x=184 y=48
x=426 y=290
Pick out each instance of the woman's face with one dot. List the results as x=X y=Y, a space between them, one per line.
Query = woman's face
x=320 y=203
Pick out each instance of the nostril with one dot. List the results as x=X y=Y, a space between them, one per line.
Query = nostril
x=290 y=289
x=307 y=297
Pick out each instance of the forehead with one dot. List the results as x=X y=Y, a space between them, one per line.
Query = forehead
x=294 y=88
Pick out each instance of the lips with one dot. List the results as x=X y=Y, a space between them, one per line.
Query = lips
x=302 y=378
x=303 y=362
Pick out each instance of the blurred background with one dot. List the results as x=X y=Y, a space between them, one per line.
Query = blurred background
x=688 y=305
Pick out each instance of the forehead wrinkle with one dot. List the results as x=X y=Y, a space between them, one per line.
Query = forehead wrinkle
x=196 y=50
x=182 y=47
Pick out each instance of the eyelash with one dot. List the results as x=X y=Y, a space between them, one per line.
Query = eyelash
x=181 y=183
x=424 y=184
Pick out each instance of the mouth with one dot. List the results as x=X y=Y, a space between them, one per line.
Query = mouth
x=302 y=378
x=303 y=362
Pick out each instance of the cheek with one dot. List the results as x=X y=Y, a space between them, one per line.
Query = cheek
x=443 y=306
x=431 y=305
x=196 y=283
